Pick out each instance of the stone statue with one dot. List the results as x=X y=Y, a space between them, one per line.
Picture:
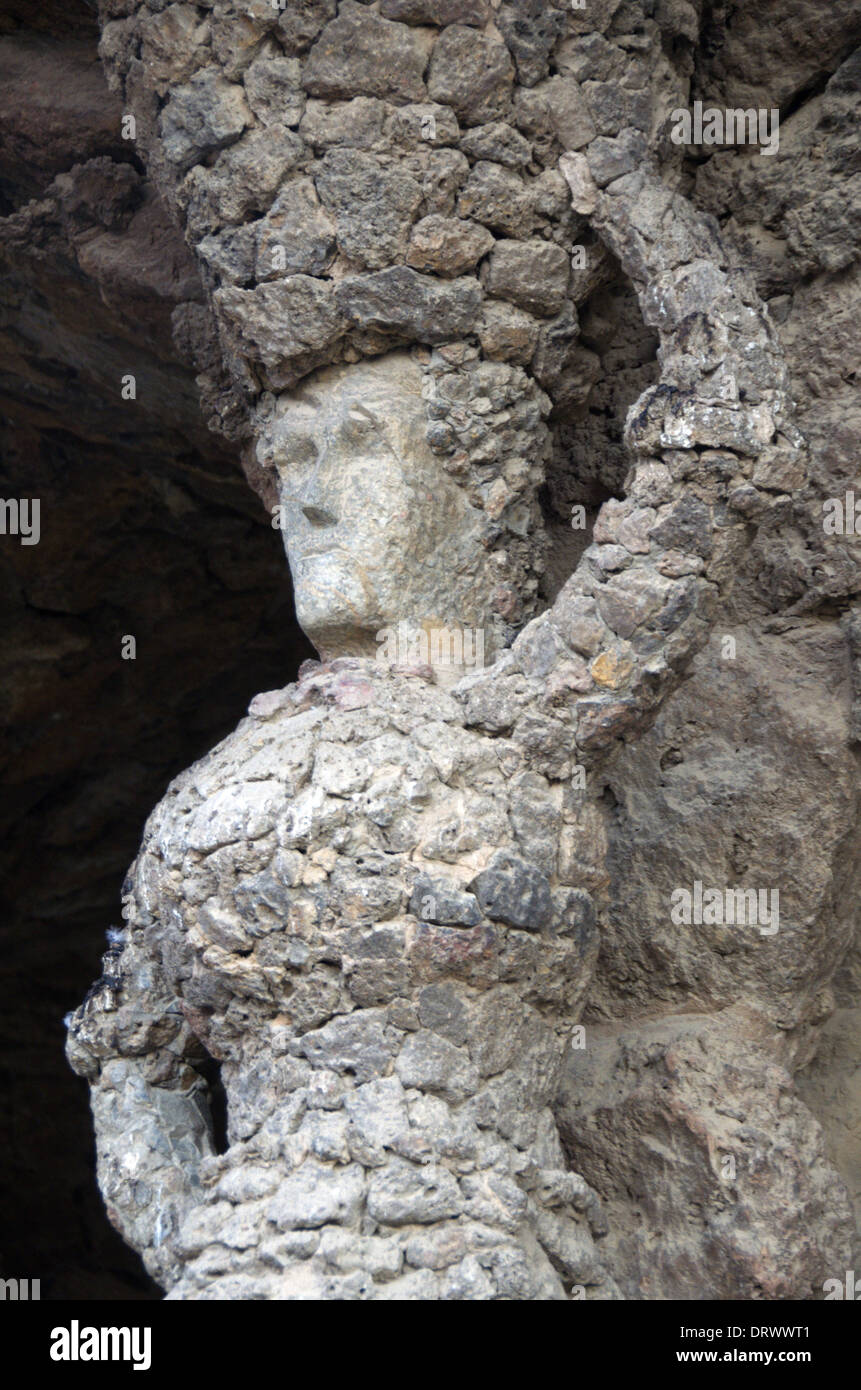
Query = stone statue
x=377 y=903
x=360 y=903
x=349 y=905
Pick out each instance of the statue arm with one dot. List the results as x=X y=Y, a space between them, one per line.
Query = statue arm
x=150 y=1101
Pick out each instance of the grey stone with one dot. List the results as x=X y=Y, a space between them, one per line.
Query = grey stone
x=629 y=599
x=248 y=1183
x=403 y=1195
x=434 y=1064
x=441 y=1009
x=588 y=56
x=421 y=125
x=204 y=115
x=575 y=912
x=378 y=1113
x=359 y=1044
x=317 y=1196
x=232 y=255
x=532 y=274
x=472 y=73
x=499 y=198
x=557 y=347
x=468 y=1280
x=510 y=890
x=613 y=108
x=610 y=159
x=273 y=89
x=557 y=109
x=341 y=1250
x=498 y=142
x=444 y=176
x=685 y=526
x=355 y=124
x=418 y=1286
x=243 y=180
x=437 y=900
x=447 y=245
x=596 y=16
x=495 y=1193
x=531 y=29
x=438 y=12
x=173 y=44
x=287 y=325
x=584 y=191
x=297 y=237
x=345 y=59
x=437 y=1249
x=401 y=301
x=507 y=334
x=373 y=206
x=300 y=24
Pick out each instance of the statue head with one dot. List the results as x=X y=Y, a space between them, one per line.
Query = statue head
x=400 y=544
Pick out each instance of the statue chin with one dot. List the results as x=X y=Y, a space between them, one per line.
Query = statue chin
x=335 y=606
x=332 y=639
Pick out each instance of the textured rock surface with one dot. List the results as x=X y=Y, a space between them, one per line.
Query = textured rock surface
x=702 y=1107
x=388 y=1076
x=343 y=208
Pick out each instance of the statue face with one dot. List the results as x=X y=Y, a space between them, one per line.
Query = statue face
x=375 y=531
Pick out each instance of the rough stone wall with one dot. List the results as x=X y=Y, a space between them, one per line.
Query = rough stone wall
x=343 y=1176
x=750 y=774
x=387 y=186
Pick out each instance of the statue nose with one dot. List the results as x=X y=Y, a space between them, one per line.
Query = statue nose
x=318 y=516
